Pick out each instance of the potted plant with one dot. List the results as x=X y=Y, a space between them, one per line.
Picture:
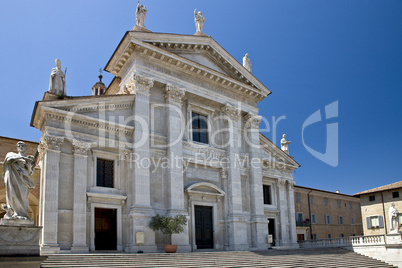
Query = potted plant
x=168 y=225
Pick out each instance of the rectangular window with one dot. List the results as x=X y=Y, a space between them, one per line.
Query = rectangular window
x=352 y=220
x=350 y=205
x=311 y=200
x=314 y=236
x=372 y=198
x=326 y=202
x=375 y=222
x=327 y=219
x=267 y=194
x=395 y=194
x=104 y=173
x=313 y=218
x=299 y=217
x=340 y=219
x=341 y=235
x=329 y=236
x=200 y=128
x=298 y=197
x=339 y=204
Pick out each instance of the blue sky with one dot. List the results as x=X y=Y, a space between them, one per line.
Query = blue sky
x=309 y=53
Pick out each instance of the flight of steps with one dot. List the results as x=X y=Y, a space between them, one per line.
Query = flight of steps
x=313 y=258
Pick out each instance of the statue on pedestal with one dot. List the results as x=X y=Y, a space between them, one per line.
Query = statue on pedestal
x=393 y=218
x=17 y=171
x=247 y=63
x=140 y=15
x=199 y=21
x=57 y=84
x=285 y=144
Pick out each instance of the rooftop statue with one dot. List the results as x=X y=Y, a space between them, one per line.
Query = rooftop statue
x=247 y=63
x=393 y=217
x=17 y=171
x=285 y=144
x=57 y=84
x=199 y=21
x=140 y=15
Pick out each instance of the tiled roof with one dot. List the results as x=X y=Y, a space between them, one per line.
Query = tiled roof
x=388 y=187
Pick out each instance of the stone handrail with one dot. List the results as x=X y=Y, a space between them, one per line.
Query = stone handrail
x=343 y=241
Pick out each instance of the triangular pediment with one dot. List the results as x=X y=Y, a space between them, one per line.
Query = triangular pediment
x=199 y=55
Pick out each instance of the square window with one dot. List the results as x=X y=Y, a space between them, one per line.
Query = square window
x=267 y=194
x=329 y=236
x=372 y=198
x=104 y=173
x=395 y=194
x=341 y=235
x=375 y=222
x=199 y=128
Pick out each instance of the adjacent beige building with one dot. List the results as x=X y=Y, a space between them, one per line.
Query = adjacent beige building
x=322 y=214
x=375 y=204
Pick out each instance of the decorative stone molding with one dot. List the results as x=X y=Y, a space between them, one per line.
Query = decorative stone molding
x=128 y=155
x=230 y=111
x=173 y=93
x=137 y=84
x=253 y=120
x=80 y=147
x=282 y=181
x=51 y=142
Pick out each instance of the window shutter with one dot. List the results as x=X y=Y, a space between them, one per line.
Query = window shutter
x=368 y=222
x=381 y=221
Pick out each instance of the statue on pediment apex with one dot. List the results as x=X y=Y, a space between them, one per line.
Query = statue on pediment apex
x=285 y=144
x=57 y=83
x=199 y=21
x=140 y=14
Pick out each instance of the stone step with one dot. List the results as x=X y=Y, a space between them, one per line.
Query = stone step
x=308 y=258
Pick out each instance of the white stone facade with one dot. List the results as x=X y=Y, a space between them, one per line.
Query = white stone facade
x=144 y=126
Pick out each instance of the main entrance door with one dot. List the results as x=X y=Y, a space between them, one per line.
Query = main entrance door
x=271 y=230
x=204 y=236
x=105 y=229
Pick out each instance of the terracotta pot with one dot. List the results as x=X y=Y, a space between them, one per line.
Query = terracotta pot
x=170 y=248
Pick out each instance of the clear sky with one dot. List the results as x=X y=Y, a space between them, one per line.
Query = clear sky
x=309 y=53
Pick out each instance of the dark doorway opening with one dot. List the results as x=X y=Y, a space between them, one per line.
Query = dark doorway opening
x=271 y=230
x=204 y=231
x=105 y=229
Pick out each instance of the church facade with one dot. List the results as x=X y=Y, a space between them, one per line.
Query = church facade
x=176 y=132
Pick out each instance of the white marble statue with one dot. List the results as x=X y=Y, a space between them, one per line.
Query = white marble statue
x=140 y=15
x=17 y=171
x=199 y=21
x=393 y=217
x=57 y=84
x=247 y=63
x=285 y=144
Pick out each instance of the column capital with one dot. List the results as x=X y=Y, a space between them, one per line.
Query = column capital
x=137 y=84
x=253 y=120
x=50 y=142
x=224 y=173
x=173 y=94
x=230 y=111
x=80 y=147
x=282 y=182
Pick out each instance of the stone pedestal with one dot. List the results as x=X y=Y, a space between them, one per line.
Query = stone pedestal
x=19 y=239
x=393 y=239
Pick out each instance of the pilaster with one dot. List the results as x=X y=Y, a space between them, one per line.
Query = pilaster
x=259 y=230
x=237 y=229
x=49 y=204
x=284 y=214
x=292 y=216
x=141 y=211
x=80 y=201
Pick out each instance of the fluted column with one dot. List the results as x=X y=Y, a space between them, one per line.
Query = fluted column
x=284 y=212
x=141 y=210
x=49 y=204
x=259 y=223
x=80 y=201
x=237 y=231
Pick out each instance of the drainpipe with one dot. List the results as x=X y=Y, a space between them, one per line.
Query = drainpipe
x=309 y=215
x=383 y=213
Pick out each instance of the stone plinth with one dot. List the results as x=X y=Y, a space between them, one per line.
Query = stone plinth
x=394 y=239
x=19 y=239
